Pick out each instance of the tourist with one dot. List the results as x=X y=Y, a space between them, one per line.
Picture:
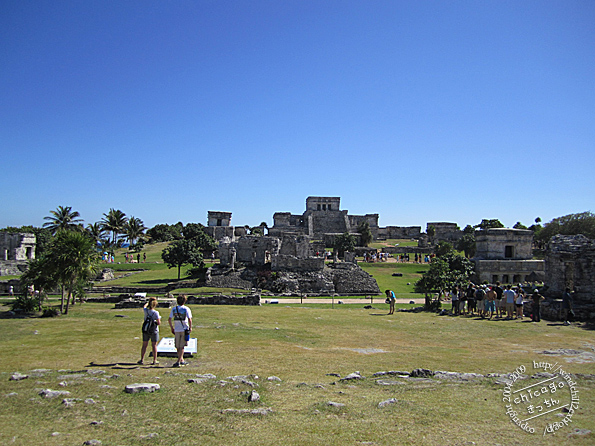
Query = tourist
x=152 y=329
x=471 y=299
x=490 y=302
x=520 y=295
x=462 y=301
x=508 y=296
x=391 y=298
x=499 y=302
x=480 y=294
x=454 y=298
x=536 y=311
x=144 y=257
x=567 y=311
x=181 y=316
x=11 y=291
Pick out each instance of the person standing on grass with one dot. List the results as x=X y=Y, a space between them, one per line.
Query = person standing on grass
x=180 y=322
x=454 y=298
x=462 y=300
x=490 y=302
x=391 y=298
x=518 y=303
x=470 y=299
x=153 y=334
x=508 y=297
x=536 y=298
x=499 y=302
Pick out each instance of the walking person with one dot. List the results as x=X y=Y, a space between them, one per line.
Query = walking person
x=180 y=322
x=151 y=325
x=567 y=311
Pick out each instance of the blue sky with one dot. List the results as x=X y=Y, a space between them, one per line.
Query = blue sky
x=416 y=110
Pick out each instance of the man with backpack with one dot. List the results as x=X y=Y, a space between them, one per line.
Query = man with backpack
x=150 y=329
x=181 y=316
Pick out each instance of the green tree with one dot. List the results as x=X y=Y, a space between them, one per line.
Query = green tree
x=70 y=261
x=365 y=233
x=431 y=231
x=165 y=233
x=343 y=243
x=445 y=272
x=467 y=244
x=443 y=248
x=62 y=218
x=519 y=225
x=115 y=222
x=571 y=224
x=489 y=224
x=182 y=252
x=97 y=233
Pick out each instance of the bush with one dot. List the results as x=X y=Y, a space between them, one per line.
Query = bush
x=50 y=312
x=24 y=303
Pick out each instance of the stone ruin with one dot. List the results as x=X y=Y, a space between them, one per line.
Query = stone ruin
x=505 y=255
x=16 y=249
x=570 y=263
x=285 y=265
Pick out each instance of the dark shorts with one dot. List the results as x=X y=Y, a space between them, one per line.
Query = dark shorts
x=154 y=337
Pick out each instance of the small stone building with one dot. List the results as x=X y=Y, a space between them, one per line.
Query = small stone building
x=445 y=232
x=219 y=226
x=505 y=255
x=16 y=249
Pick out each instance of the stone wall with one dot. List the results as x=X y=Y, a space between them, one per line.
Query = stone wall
x=13 y=267
x=570 y=262
x=15 y=247
x=448 y=232
x=509 y=271
x=400 y=232
x=504 y=244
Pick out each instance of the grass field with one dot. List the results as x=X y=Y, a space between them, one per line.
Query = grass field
x=94 y=349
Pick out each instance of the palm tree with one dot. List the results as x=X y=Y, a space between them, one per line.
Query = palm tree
x=75 y=261
x=97 y=232
x=134 y=229
x=62 y=218
x=114 y=221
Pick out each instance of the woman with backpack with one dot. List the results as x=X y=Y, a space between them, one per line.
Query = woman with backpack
x=151 y=324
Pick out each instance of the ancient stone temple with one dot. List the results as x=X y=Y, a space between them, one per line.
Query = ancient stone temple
x=219 y=226
x=505 y=255
x=16 y=249
x=323 y=216
x=285 y=265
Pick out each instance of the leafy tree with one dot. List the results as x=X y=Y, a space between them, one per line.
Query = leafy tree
x=182 y=252
x=196 y=233
x=469 y=230
x=571 y=224
x=445 y=272
x=443 y=248
x=70 y=261
x=431 y=231
x=519 y=225
x=63 y=218
x=366 y=233
x=344 y=242
x=489 y=224
x=256 y=230
x=467 y=244
x=165 y=233
x=97 y=233
x=115 y=222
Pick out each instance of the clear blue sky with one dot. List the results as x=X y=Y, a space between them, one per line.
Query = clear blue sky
x=417 y=110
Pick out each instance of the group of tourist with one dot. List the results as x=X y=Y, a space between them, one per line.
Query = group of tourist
x=489 y=301
x=498 y=301
x=130 y=257
x=180 y=323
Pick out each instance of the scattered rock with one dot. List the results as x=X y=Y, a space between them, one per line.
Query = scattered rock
x=11 y=394
x=16 y=376
x=48 y=393
x=260 y=411
x=421 y=373
x=352 y=376
x=92 y=443
x=149 y=436
x=578 y=431
x=141 y=387
x=254 y=397
x=96 y=423
x=387 y=402
x=274 y=378
x=333 y=404
x=389 y=382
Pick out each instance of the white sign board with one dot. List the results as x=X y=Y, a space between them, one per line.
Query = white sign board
x=167 y=347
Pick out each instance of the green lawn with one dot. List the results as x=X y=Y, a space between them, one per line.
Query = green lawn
x=300 y=344
x=383 y=273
